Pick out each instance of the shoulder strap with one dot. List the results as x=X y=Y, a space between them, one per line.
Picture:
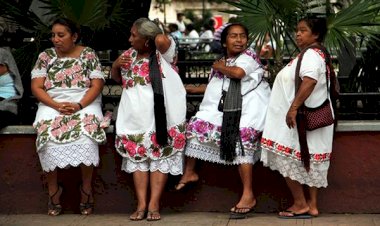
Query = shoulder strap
x=297 y=79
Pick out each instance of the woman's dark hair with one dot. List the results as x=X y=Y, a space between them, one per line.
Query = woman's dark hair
x=223 y=36
x=317 y=26
x=190 y=27
x=173 y=27
x=70 y=25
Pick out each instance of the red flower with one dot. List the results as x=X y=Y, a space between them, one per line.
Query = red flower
x=130 y=83
x=156 y=152
x=179 y=141
x=141 y=150
x=153 y=139
x=172 y=132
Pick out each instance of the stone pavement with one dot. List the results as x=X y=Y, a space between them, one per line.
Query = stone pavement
x=187 y=219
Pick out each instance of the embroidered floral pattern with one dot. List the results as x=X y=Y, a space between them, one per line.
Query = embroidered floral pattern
x=207 y=132
x=68 y=72
x=139 y=147
x=292 y=153
x=137 y=72
x=67 y=128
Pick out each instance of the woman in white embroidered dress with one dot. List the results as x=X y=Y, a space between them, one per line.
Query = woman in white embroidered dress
x=150 y=125
x=67 y=80
x=280 y=144
x=240 y=66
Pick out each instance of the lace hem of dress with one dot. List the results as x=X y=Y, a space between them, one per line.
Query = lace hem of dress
x=211 y=153
x=288 y=167
x=172 y=165
x=64 y=156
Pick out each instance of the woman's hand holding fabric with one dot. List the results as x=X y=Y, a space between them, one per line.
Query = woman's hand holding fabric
x=218 y=65
x=234 y=72
x=122 y=61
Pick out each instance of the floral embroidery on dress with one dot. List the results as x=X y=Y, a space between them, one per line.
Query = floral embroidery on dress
x=141 y=146
x=136 y=72
x=277 y=148
x=67 y=72
x=207 y=132
x=67 y=128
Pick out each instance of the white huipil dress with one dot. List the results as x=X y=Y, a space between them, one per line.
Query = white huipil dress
x=204 y=129
x=135 y=124
x=68 y=140
x=280 y=145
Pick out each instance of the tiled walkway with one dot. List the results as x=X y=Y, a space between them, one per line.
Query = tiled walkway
x=187 y=219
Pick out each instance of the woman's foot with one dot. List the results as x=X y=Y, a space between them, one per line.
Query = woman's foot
x=86 y=205
x=295 y=211
x=138 y=215
x=54 y=206
x=186 y=179
x=153 y=215
x=240 y=210
x=244 y=206
x=313 y=209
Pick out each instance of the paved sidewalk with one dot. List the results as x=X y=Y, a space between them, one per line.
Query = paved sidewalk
x=187 y=219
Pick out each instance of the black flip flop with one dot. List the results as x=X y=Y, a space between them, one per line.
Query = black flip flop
x=294 y=215
x=240 y=215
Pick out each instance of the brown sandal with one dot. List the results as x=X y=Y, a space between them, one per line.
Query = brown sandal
x=153 y=215
x=54 y=209
x=87 y=207
x=138 y=215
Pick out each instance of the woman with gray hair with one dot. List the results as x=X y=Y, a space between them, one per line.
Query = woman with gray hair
x=11 y=89
x=150 y=125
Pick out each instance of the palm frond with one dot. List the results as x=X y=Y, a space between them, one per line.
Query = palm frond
x=360 y=19
x=270 y=16
x=15 y=14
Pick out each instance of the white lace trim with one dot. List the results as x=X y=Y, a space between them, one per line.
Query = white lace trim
x=36 y=75
x=82 y=151
x=97 y=75
x=173 y=165
x=210 y=152
x=288 y=167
